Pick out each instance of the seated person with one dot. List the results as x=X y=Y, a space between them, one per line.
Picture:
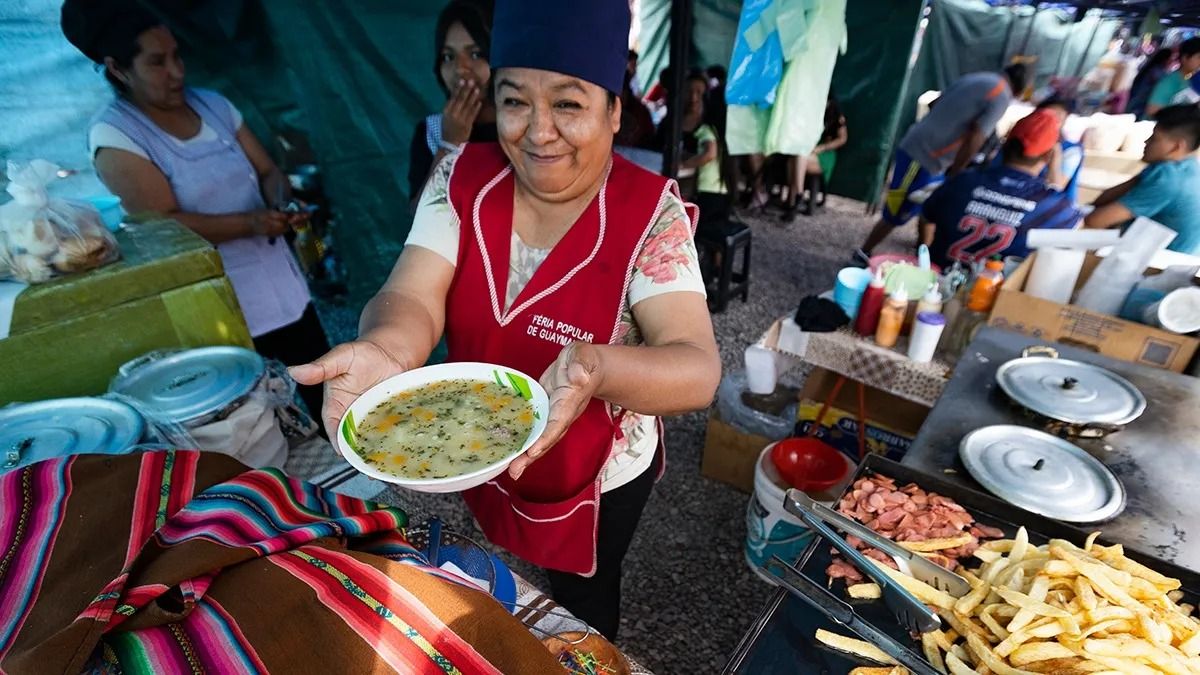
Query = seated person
x=708 y=159
x=1168 y=190
x=979 y=214
x=1062 y=172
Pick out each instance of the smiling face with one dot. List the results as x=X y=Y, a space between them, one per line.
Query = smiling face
x=557 y=131
x=463 y=60
x=155 y=78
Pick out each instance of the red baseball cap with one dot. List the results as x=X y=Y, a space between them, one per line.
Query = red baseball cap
x=1038 y=132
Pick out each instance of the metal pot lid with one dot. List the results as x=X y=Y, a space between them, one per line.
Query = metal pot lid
x=1071 y=391
x=189 y=385
x=1042 y=473
x=33 y=432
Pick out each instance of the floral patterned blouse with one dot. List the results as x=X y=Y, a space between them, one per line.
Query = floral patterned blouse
x=667 y=263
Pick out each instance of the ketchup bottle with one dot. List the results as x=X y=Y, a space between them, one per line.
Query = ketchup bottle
x=872 y=302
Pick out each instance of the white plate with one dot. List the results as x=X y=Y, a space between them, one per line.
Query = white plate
x=528 y=387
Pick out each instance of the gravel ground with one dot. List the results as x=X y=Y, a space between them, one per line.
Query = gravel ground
x=688 y=594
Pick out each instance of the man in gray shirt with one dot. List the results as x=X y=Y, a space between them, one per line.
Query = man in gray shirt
x=943 y=143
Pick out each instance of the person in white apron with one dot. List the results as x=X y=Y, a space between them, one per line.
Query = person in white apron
x=163 y=147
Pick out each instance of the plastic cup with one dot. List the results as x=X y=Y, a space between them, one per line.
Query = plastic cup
x=852 y=282
x=761 y=374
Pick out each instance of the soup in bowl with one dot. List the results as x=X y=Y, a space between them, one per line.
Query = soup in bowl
x=443 y=428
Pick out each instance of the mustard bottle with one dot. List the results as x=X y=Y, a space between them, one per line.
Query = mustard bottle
x=891 y=319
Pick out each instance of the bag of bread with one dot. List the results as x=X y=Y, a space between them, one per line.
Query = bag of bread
x=42 y=237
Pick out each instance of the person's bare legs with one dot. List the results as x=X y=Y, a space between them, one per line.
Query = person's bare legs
x=797 y=165
x=880 y=232
x=760 y=193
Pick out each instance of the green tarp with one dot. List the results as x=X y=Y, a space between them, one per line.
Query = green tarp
x=869 y=81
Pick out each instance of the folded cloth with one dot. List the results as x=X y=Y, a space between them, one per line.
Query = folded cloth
x=195 y=563
x=818 y=315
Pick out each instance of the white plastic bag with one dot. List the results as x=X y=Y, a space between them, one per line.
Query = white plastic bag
x=42 y=237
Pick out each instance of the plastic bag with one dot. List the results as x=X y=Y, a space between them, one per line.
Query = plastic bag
x=756 y=66
x=734 y=411
x=42 y=237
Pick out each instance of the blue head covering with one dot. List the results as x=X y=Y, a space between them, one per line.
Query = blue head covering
x=588 y=39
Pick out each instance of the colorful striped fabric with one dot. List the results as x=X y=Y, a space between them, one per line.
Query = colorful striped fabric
x=32 y=500
x=182 y=562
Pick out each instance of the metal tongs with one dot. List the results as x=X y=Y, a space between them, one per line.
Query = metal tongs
x=910 y=563
x=841 y=613
x=909 y=611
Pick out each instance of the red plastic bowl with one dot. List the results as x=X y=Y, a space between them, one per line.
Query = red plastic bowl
x=808 y=463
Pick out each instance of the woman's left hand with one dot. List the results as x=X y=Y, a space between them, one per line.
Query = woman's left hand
x=571 y=381
x=298 y=218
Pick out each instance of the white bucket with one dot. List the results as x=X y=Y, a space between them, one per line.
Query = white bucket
x=770 y=530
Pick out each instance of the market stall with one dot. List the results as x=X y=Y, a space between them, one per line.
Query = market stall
x=1153 y=458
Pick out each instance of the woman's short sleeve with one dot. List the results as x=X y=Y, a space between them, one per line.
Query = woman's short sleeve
x=435 y=226
x=105 y=135
x=667 y=262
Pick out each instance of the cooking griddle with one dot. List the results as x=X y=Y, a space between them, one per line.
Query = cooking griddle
x=792 y=623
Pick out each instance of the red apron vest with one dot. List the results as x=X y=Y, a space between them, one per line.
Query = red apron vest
x=549 y=516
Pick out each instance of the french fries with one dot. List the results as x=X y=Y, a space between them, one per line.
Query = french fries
x=1059 y=608
x=854 y=646
x=864 y=591
x=931 y=545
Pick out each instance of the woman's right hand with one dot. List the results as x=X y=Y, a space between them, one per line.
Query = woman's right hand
x=347 y=370
x=458 y=117
x=269 y=223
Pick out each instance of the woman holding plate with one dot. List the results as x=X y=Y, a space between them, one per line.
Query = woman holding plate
x=547 y=253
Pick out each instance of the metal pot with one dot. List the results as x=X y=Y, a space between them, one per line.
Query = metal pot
x=32 y=432
x=1069 y=398
x=191 y=387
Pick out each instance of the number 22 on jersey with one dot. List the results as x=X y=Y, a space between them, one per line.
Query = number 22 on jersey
x=976 y=230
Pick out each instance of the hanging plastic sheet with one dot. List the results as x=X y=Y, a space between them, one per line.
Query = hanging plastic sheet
x=811 y=37
x=756 y=66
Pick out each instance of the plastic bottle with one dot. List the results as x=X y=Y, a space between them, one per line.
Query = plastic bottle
x=927 y=330
x=987 y=287
x=891 y=319
x=868 y=310
x=931 y=302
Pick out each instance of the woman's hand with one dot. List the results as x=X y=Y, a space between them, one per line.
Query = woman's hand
x=458 y=117
x=571 y=381
x=347 y=370
x=298 y=214
x=269 y=222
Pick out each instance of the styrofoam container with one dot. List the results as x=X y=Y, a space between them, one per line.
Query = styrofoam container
x=346 y=438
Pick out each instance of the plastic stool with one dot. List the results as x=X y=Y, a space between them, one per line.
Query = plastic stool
x=731 y=238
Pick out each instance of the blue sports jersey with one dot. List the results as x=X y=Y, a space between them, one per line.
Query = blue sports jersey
x=979 y=214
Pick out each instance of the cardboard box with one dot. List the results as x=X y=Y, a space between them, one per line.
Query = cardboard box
x=839 y=429
x=1078 y=327
x=730 y=454
x=892 y=422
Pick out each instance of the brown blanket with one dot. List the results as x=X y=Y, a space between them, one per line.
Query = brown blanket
x=188 y=562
